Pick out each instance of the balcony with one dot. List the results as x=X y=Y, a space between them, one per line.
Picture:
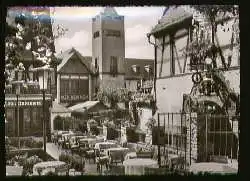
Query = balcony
x=26 y=88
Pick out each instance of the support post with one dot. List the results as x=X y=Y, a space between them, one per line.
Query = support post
x=44 y=123
x=206 y=137
x=18 y=124
x=158 y=142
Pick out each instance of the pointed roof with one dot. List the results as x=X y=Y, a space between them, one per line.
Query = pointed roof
x=65 y=56
x=109 y=11
x=171 y=16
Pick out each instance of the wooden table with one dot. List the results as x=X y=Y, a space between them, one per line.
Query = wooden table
x=137 y=166
x=212 y=167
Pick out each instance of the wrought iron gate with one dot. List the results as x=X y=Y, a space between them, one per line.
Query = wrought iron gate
x=187 y=137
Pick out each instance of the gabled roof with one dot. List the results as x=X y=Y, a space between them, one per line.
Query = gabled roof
x=65 y=56
x=173 y=16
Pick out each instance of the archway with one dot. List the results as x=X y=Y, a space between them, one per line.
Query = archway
x=217 y=108
x=215 y=132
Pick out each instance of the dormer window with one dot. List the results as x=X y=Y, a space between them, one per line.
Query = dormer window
x=148 y=68
x=135 y=68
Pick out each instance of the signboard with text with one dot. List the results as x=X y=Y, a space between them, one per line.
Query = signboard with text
x=69 y=98
x=23 y=103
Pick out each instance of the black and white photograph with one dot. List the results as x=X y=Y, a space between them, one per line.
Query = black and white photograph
x=122 y=90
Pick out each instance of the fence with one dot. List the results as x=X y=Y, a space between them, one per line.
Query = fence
x=195 y=137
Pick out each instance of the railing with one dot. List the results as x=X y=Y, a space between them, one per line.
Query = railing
x=196 y=137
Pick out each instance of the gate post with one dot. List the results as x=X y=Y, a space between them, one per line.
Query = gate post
x=206 y=137
x=158 y=142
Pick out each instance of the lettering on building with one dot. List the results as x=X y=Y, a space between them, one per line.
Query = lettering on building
x=23 y=103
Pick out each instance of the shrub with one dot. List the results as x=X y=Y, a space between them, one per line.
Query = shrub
x=25 y=142
x=65 y=158
x=29 y=163
x=94 y=130
x=74 y=161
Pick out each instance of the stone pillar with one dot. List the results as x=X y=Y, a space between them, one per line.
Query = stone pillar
x=123 y=134
x=58 y=88
x=90 y=87
x=105 y=132
x=51 y=121
x=191 y=144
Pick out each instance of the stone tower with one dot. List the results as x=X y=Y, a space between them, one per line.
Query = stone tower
x=108 y=48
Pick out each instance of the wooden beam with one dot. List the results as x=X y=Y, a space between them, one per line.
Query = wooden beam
x=162 y=55
x=185 y=61
x=177 y=58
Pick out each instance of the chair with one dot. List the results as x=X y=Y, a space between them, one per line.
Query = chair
x=219 y=158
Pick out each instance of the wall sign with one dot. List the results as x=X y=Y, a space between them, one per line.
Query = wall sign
x=73 y=97
x=23 y=103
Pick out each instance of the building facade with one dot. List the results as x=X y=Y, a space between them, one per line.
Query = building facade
x=75 y=78
x=28 y=103
x=178 y=92
x=108 y=48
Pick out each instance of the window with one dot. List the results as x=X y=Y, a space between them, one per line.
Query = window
x=27 y=122
x=10 y=117
x=113 y=66
x=114 y=33
x=36 y=120
x=96 y=34
x=31 y=77
x=136 y=69
x=96 y=64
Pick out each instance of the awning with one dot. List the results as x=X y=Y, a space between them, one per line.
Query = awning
x=58 y=108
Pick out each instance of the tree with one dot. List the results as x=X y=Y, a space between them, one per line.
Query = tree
x=30 y=32
x=202 y=46
x=112 y=96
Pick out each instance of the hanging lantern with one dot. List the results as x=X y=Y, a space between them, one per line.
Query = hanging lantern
x=43 y=76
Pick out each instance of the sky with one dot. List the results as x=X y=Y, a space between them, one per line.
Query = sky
x=138 y=21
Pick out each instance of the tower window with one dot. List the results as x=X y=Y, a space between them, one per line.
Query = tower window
x=96 y=34
x=96 y=64
x=113 y=66
x=114 y=33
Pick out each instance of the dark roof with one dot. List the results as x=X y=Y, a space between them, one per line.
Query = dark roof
x=66 y=55
x=173 y=16
x=141 y=63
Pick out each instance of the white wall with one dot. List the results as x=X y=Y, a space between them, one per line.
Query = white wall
x=144 y=115
x=169 y=91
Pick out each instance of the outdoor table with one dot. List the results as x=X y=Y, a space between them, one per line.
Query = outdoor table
x=211 y=167
x=14 y=171
x=130 y=155
x=50 y=166
x=90 y=152
x=137 y=166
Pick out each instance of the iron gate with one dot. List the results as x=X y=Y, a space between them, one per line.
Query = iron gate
x=183 y=138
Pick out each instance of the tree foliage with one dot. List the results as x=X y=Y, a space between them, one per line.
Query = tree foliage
x=203 y=44
x=112 y=96
x=31 y=34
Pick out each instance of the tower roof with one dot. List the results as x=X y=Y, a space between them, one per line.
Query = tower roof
x=109 y=11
